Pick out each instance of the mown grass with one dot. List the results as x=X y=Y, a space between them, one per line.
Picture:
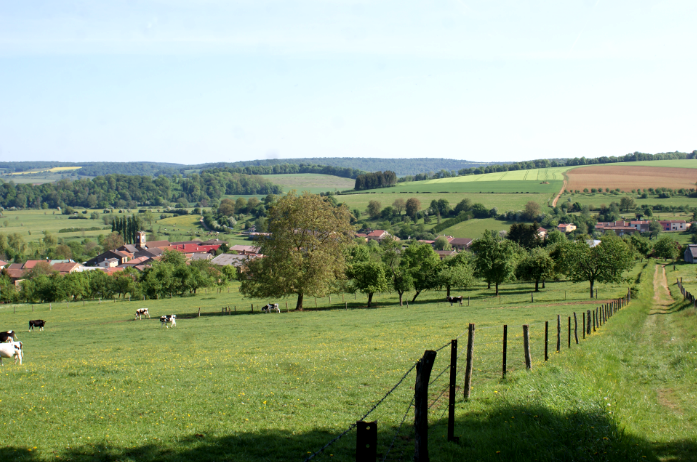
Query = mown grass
x=311 y=182
x=475 y=228
x=97 y=385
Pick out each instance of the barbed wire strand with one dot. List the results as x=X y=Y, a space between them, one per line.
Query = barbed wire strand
x=441 y=394
x=353 y=425
x=438 y=376
x=399 y=429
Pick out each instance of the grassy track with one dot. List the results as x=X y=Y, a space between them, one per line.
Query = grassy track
x=251 y=387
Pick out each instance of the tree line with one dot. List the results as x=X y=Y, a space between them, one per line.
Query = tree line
x=375 y=180
x=133 y=190
x=165 y=278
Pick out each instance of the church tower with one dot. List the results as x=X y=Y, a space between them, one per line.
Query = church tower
x=140 y=239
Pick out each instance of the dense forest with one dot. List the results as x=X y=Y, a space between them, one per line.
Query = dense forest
x=344 y=172
x=375 y=180
x=131 y=191
x=100 y=168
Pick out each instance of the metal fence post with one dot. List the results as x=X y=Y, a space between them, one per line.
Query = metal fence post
x=470 y=360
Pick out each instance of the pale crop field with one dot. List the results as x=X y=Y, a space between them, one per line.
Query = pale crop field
x=311 y=182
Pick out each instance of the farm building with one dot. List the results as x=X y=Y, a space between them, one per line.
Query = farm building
x=541 y=233
x=246 y=249
x=227 y=259
x=691 y=253
x=460 y=243
x=446 y=253
x=379 y=235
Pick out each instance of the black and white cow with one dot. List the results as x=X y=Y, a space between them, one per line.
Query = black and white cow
x=271 y=307
x=140 y=312
x=40 y=323
x=8 y=336
x=167 y=320
x=454 y=299
x=11 y=350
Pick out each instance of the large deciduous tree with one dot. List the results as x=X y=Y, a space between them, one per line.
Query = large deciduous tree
x=496 y=258
x=457 y=272
x=413 y=206
x=665 y=247
x=305 y=253
x=605 y=263
x=423 y=264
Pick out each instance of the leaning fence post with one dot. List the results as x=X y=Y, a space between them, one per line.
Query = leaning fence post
x=423 y=375
x=584 y=326
x=470 y=360
x=451 y=397
x=558 y=333
x=366 y=441
x=546 y=340
x=575 y=328
x=526 y=346
x=505 y=350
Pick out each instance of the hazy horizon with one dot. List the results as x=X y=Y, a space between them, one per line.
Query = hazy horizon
x=224 y=81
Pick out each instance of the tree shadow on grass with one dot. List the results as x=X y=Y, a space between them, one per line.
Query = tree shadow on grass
x=506 y=432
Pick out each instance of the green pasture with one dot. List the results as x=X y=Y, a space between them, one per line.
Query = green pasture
x=254 y=387
x=311 y=182
x=677 y=163
x=475 y=228
x=31 y=223
x=387 y=197
x=597 y=199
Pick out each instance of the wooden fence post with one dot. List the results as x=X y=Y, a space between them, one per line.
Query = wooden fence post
x=451 y=397
x=470 y=360
x=505 y=348
x=526 y=346
x=199 y=311
x=468 y=300
x=558 y=333
x=569 y=331
x=575 y=328
x=546 y=340
x=366 y=441
x=423 y=375
x=588 y=324
x=532 y=300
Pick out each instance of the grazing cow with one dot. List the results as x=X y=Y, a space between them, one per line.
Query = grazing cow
x=40 y=323
x=167 y=320
x=454 y=299
x=271 y=307
x=11 y=350
x=140 y=312
x=8 y=336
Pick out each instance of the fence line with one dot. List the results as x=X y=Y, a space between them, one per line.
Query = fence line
x=595 y=318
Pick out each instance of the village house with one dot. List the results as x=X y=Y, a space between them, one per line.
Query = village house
x=379 y=235
x=674 y=225
x=641 y=225
x=566 y=228
x=446 y=253
x=541 y=233
x=228 y=259
x=246 y=249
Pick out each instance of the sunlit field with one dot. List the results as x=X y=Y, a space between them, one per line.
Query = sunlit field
x=311 y=182
x=252 y=386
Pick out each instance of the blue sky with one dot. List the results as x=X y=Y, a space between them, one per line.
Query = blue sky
x=213 y=80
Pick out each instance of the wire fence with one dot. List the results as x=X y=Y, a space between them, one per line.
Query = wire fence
x=517 y=349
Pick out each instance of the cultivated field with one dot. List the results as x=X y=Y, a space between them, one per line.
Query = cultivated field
x=311 y=182
x=628 y=177
x=257 y=387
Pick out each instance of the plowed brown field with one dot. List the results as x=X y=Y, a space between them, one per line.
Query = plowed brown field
x=628 y=178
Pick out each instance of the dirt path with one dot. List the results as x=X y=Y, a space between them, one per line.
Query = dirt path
x=554 y=202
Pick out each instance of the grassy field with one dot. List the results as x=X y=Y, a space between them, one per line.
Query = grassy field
x=475 y=228
x=97 y=385
x=31 y=223
x=311 y=182
x=679 y=163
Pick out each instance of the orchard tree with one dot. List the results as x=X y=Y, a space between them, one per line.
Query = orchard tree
x=306 y=254
x=496 y=258
x=367 y=277
x=423 y=264
x=666 y=248
x=655 y=229
x=627 y=203
x=457 y=272
x=605 y=263
x=398 y=274
x=442 y=243
x=536 y=266
x=399 y=205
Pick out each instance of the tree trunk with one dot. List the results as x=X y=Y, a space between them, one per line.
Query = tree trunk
x=415 y=295
x=488 y=284
x=497 y=288
x=299 y=304
x=370 y=298
x=537 y=285
x=400 y=297
x=543 y=283
x=592 y=281
x=448 y=294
